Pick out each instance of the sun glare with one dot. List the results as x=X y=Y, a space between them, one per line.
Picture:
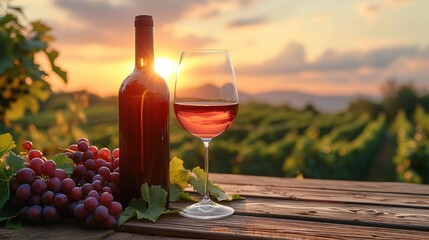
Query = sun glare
x=164 y=67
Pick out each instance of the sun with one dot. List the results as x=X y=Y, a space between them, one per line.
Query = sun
x=164 y=67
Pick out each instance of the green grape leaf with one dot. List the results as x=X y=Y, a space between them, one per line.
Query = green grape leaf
x=175 y=192
x=6 y=143
x=178 y=174
x=198 y=181
x=8 y=211
x=16 y=110
x=155 y=203
x=14 y=223
x=12 y=164
x=52 y=55
x=127 y=214
x=63 y=162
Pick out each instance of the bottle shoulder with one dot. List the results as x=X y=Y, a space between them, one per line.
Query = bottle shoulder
x=144 y=80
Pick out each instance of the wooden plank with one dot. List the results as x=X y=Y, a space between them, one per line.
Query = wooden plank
x=61 y=231
x=381 y=216
x=137 y=236
x=341 y=196
x=249 y=227
x=379 y=187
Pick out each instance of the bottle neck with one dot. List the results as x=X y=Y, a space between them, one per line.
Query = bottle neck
x=144 y=58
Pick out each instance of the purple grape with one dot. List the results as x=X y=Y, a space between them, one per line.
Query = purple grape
x=112 y=186
x=114 y=178
x=82 y=140
x=34 y=200
x=91 y=203
x=115 y=209
x=94 y=194
x=86 y=188
x=51 y=214
x=105 y=172
x=34 y=214
x=54 y=184
x=67 y=185
x=82 y=146
x=98 y=177
x=89 y=175
x=110 y=222
x=76 y=194
x=116 y=163
x=77 y=157
x=110 y=166
x=79 y=171
x=23 y=192
x=36 y=165
x=13 y=185
x=60 y=201
x=60 y=174
x=25 y=175
x=89 y=164
x=23 y=212
x=39 y=186
x=99 y=163
x=90 y=221
x=116 y=170
x=88 y=154
x=80 y=211
x=97 y=185
x=106 y=189
x=71 y=207
x=106 y=199
x=47 y=198
x=34 y=153
x=69 y=155
x=48 y=168
x=101 y=214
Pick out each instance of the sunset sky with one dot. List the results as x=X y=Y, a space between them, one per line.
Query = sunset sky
x=322 y=47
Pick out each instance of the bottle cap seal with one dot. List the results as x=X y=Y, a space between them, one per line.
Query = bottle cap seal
x=143 y=20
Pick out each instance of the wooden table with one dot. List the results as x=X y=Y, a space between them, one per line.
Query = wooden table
x=281 y=208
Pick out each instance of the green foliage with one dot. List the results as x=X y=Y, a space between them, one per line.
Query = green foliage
x=23 y=81
x=64 y=162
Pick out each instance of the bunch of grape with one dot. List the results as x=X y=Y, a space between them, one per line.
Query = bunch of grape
x=45 y=193
x=39 y=188
x=95 y=184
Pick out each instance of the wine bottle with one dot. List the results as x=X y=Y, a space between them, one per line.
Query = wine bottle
x=143 y=120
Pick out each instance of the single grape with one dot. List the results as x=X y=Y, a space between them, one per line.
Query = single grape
x=60 y=201
x=23 y=192
x=27 y=165
x=73 y=147
x=115 y=153
x=51 y=214
x=67 y=185
x=104 y=153
x=99 y=178
x=99 y=163
x=115 y=209
x=116 y=163
x=48 y=168
x=80 y=211
x=86 y=188
x=71 y=208
x=27 y=145
x=114 y=178
x=39 y=186
x=97 y=185
x=113 y=187
x=34 y=153
x=34 y=214
x=89 y=164
x=47 y=198
x=93 y=194
x=106 y=199
x=110 y=222
x=69 y=155
x=82 y=140
x=34 y=200
x=77 y=157
x=13 y=185
x=60 y=174
x=79 y=171
x=89 y=175
x=106 y=189
x=82 y=146
x=101 y=214
x=54 y=184
x=105 y=172
x=91 y=203
x=110 y=166
x=76 y=194
x=88 y=154
x=94 y=150
x=25 y=175
x=90 y=221
x=23 y=212
x=36 y=165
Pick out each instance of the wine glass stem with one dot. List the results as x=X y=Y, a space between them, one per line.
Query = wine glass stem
x=206 y=168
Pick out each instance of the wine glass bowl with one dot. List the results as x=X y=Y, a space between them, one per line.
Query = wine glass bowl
x=205 y=104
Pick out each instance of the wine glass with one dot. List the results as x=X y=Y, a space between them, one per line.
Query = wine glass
x=206 y=103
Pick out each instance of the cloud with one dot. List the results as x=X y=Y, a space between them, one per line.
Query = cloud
x=249 y=22
x=293 y=59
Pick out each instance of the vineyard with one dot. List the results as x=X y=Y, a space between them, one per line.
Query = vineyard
x=263 y=140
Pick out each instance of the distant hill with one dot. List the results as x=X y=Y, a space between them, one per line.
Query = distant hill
x=324 y=103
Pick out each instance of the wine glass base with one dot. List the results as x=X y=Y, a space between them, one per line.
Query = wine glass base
x=207 y=209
